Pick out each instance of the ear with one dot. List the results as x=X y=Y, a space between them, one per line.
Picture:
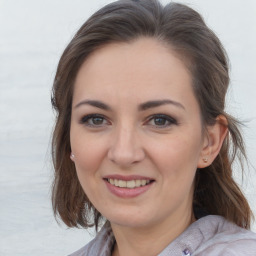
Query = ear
x=72 y=157
x=213 y=140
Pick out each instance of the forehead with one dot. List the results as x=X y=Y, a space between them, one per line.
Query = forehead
x=142 y=68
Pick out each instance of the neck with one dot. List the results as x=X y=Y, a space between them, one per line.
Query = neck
x=138 y=241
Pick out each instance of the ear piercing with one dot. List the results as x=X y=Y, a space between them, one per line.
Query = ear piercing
x=72 y=155
x=205 y=160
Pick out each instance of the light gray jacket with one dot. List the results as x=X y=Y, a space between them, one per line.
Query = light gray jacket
x=209 y=236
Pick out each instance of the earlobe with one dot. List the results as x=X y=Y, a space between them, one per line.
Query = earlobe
x=214 y=137
x=72 y=157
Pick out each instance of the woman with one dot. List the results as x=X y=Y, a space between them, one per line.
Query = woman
x=142 y=145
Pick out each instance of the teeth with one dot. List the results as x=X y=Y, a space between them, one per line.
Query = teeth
x=137 y=183
x=129 y=183
x=122 y=183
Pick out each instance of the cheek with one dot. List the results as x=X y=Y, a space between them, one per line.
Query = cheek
x=176 y=158
x=88 y=157
x=177 y=163
x=179 y=149
x=89 y=153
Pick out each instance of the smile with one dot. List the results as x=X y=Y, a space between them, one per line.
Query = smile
x=128 y=184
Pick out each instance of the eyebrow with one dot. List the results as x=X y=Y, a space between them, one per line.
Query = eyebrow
x=157 y=103
x=141 y=107
x=94 y=103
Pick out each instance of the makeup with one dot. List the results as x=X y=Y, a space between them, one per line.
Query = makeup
x=128 y=186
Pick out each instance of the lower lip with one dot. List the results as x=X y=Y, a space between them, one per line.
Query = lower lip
x=127 y=192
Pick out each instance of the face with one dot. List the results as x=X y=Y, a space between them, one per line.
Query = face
x=136 y=133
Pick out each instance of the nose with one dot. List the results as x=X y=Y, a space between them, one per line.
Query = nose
x=125 y=148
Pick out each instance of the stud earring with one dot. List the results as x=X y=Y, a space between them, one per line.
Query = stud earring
x=205 y=160
x=72 y=155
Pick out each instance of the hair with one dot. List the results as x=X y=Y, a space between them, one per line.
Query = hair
x=185 y=31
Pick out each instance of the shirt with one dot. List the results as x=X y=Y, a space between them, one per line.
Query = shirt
x=209 y=236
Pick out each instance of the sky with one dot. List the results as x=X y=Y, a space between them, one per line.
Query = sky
x=33 y=34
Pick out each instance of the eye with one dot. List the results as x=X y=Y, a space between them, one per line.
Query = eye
x=161 y=121
x=94 y=120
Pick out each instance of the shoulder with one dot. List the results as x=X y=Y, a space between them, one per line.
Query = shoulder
x=101 y=245
x=221 y=237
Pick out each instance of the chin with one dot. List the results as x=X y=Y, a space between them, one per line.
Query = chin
x=130 y=219
x=131 y=223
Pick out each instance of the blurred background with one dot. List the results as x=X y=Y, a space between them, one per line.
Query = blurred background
x=33 y=34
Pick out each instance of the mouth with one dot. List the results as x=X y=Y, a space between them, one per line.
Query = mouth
x=129 y=184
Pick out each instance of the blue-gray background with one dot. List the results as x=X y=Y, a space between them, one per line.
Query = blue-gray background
x=33 y=35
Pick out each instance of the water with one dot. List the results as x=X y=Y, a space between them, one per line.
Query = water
x=32 y=36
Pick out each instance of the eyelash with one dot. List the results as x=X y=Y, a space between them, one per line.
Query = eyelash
x=171 y=121
x=166 y=118
x=86 y=119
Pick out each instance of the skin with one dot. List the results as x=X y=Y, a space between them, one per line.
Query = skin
x=127 y=140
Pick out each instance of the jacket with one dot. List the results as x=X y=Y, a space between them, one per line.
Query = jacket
x=209 y=236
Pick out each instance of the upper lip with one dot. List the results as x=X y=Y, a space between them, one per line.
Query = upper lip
x=126 y=177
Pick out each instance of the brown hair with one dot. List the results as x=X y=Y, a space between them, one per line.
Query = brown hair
x=184 y=30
